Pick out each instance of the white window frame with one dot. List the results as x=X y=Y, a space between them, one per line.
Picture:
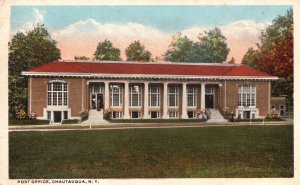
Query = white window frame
x=57 y=97
x=194 y=114
x=97 y=88
x=116 y=96
x=139 y=114
x=247 y=96
x=157 y=114
x=173 y=96
x=118 y=115
x=154 y=96
x=191 y=96
x=173 y=114
x=135 y=96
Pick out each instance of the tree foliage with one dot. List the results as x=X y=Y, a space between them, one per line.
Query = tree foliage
x=211 y=47
x=274 y=54
x=81 y=58
x=27 y=50
x=106 y=51
x=137 y=52
x=181 y=49
x=231 y=61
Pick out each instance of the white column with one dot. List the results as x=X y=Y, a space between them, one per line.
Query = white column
x=146 y=114
x=126 y=101
x=202 y=96
x=184 y=102
x=165 y=103
x=106 y=95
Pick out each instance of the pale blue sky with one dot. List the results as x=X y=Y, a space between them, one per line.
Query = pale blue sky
x=166 y=18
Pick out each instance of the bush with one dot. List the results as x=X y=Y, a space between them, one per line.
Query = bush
x=157 y=120
x=273 y=114
x=84 y=115
x=28 y=122
x=32 y=116
x=21 y=114
x=70 y=121
x=107 y=114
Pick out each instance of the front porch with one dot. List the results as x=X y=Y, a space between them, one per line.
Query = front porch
x=152 y=100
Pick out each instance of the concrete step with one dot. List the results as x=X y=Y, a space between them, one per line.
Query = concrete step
x=216 y=116
x=95 y=117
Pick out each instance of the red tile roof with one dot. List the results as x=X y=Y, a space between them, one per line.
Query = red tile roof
x=149 y=69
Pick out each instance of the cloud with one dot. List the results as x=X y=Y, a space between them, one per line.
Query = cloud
x=82 y=37
x=38 y=17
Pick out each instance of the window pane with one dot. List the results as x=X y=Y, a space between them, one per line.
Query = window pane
x=54 y=98
x=57 y=94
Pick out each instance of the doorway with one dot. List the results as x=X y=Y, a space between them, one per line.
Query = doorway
x=209 y=101
x=97 y=101
x=209 y=97
x=57 y=116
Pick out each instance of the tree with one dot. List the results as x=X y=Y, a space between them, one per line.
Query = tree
x=106 y=51
x=211 y=48
x=137 y=52
x=181 y=49
x=81 y=58
x=274 y=54
x=27 y=50
x=231 y=61
x=251 y=58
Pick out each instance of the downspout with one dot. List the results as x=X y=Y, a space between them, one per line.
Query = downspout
x=30 y=93
x=82 y=93
x=225 y=99
x=269 y=97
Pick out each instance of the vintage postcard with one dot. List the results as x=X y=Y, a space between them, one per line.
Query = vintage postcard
x=149 y=92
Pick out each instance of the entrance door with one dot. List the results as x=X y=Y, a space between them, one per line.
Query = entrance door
x=246 y=115
x=57 y=116
x=209 y=101
x=99 y=99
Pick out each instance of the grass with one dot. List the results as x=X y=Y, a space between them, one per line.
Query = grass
x=241 y=151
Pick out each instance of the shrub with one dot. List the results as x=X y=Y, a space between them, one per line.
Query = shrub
x=107 y=114
x=32 y=116
x=21 y=114
x=70 y=121
x=84 y=115
x=272 y=114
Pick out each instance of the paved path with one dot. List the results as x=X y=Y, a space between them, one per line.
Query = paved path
x=117 y=126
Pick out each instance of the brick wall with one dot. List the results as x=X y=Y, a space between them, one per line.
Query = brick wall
x=38 y=95
x=262 y=95
x=75 y=95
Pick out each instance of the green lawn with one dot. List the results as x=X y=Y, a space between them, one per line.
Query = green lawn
x=244 y=151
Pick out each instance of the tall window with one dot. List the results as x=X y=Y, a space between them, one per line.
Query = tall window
x=116 y=95
x=173 y=93
x=135 y=96
x=154 y=95
x=57 y=94
x=191 y=96
x=247 y=95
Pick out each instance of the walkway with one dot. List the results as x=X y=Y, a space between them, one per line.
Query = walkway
x=117 y=126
